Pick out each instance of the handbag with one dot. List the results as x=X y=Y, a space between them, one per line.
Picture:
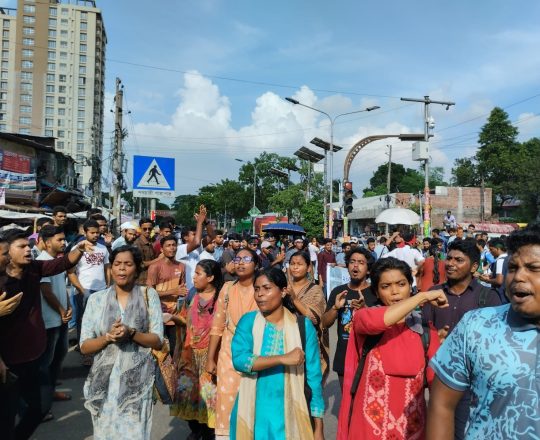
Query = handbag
x=166 y=375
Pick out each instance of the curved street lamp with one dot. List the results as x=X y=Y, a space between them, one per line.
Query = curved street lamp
x=332 y=121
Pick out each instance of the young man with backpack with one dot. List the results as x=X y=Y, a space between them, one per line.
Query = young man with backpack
x=464 y=293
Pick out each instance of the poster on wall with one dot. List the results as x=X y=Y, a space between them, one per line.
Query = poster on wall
x=15 y=162
x=17 y=181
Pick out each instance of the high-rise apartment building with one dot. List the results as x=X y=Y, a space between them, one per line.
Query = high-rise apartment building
x=52 y=78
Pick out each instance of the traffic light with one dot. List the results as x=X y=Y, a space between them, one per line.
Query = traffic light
x=347 y=198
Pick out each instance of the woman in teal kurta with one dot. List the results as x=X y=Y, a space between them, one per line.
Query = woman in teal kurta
x=267 y=349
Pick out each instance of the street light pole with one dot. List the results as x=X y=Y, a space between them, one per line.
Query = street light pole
x=331 y=150
x=427 y=126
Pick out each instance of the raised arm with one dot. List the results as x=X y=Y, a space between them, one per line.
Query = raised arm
x=397 y=312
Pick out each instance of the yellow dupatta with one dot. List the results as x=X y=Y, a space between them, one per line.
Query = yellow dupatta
x=297 y=414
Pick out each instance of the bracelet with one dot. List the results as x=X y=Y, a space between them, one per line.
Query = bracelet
x=80 y=250
x=132 y=333
x=335 y=308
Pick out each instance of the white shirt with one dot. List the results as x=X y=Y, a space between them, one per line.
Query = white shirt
x=91 y=268
x=205 y=255
x=499 y=264
x=411 y=256
x=120 y=241
x=313 y=251
x=51 y=318
x=190 y=260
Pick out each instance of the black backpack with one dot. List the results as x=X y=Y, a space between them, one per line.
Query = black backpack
x=370 y=342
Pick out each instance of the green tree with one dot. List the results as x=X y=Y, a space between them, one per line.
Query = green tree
x=465 y=172
x=186 y=206
x=499 y=155
x=436 y=177
x=311 y=180
x=379 y=179
x=284 y=202
x=405 y=180
x=267 y=183
x=226 y=196
x=312 y=218
x=528 y=178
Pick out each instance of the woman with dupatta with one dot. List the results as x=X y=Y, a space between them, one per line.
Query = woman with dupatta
x=308 y=300
x=120 y=327
x=234 y=301
x=267 y=350
x=195 y=398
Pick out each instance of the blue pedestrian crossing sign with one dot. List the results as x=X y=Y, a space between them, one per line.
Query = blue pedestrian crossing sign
x=153 y=177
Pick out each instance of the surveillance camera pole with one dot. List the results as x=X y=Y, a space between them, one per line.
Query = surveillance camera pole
x=427 y=207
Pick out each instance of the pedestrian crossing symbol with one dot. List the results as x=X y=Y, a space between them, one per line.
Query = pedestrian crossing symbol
x=153 y=176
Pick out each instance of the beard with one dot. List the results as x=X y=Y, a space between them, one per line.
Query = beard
x=355 y=281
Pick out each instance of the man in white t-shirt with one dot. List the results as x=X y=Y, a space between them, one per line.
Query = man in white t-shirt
x=209 y=248
x=497 y=248
x=128 y=237
x=56 y=313
x=410 y=255
x=91 y=273
x=189 y=252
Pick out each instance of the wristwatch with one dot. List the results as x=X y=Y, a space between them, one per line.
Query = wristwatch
x=132 y=332
x=335 y=308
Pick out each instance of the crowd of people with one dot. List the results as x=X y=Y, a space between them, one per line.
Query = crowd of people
x=232 y=331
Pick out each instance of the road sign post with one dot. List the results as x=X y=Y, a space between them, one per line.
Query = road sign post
x=153 y=177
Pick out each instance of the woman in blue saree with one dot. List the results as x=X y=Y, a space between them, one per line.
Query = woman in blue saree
x=267 y=350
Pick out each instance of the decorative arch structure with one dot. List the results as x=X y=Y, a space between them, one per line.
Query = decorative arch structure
x=356 y=149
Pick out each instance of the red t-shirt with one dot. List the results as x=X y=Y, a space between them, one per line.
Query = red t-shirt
x=426 y=280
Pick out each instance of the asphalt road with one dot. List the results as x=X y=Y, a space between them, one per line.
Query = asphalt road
x=72 y=421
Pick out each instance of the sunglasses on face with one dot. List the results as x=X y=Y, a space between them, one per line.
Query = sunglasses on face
x=146 y=229
x=246 y=259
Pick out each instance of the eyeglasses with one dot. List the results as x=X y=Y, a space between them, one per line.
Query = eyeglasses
x=246 y=259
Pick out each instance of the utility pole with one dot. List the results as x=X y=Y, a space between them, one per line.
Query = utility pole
x=482 y=201
x=117 y=154
x=428 y=124
x=389 y=176
x=388 y=180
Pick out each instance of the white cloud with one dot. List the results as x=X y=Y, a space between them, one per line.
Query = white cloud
x=528 y=125
x=201 y=136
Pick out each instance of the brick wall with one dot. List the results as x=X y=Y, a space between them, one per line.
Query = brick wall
x=464 y=202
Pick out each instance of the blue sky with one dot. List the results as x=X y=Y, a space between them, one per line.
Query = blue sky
x=336 y=56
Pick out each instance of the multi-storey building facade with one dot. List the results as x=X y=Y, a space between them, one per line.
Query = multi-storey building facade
x=52 y=78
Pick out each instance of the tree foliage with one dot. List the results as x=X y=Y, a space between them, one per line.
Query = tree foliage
x=405 y=180
x=499 y=154
x=465 y=172
x=185 y=206
x=312 y=218
x=284 y=202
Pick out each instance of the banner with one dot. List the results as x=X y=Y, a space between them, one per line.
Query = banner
x=18 y=163
x=335 y=276
x=17 y=181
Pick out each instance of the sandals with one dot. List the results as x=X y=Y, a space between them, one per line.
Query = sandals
x=61 y=397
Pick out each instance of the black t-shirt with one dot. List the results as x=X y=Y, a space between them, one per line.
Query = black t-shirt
x=344 y=319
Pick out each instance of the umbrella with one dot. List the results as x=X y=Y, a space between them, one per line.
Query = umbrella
x=398 y=216
x=284 y=228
